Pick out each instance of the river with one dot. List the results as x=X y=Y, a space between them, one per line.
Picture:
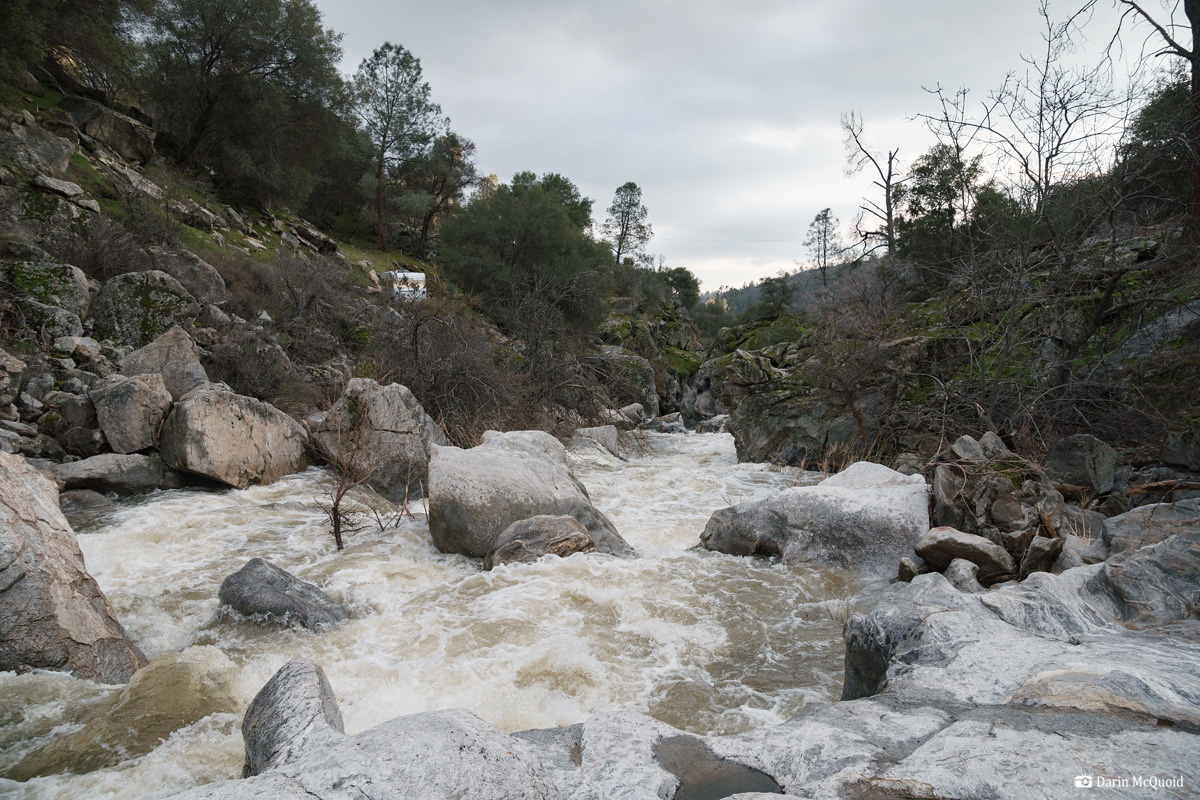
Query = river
x=708 y=643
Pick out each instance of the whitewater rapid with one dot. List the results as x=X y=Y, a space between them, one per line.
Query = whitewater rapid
x=709 y=643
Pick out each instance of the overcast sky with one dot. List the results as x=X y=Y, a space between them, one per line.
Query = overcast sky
x=725 y=114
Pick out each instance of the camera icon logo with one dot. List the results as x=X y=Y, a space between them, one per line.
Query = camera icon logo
x=1084 y=782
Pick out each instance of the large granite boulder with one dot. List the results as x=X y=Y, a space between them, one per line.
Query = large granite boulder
x=35 y=150
x=1154 y=585
x=59 y=285
x=528 y=540
x=264 y=591
x=120 y=473
x=237 y=440
x=475 y=494
x=131 y=410
x=52 y=613
x=138 y=307
x=133 y=141
x=864 y=519
x=197 y=276
x=49 y=321
x=174 y=356
x=380 y=431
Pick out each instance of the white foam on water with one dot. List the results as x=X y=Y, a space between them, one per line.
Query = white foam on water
x=706 y=642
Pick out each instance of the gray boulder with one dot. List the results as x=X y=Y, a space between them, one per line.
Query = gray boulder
x=264 y=591
x=634 y=375
x=34 y=150
x=942 y=545
x=172 y=355
x=963 y=575
x=138 y=307
x=528 y=540
x=722 y=423
x=475 y=494
x=59 y=285
x=52 y=613
x=131 y=410
x=115 y=472
x=603 y=435
x=1157 y=584
x=197 y=276
x=864 y=519
x=1083 y=460
x=381 y=431
x=85 y=508
x=1150 y=524
x=295 y=710
x=1041 y=555
x=233 y=439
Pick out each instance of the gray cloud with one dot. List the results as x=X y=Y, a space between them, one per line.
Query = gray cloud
x=725 y=114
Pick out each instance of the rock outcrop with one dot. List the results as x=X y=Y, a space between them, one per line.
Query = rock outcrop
x=864 y=519
x=231 y=438
x=528 y=540
x=381 y=431
x=52 y=613
x=263 y=591
x=475 y=494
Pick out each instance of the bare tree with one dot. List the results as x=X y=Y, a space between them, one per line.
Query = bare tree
x=886 y=167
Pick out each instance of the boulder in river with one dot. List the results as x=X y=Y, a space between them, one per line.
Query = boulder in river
x=52 y=613
x=864 y=519
x=237 y=440
x=171 y=692
x=115 y=472
x=381 y=431
x=475 y=494
x=264 y=591
x=528 y=540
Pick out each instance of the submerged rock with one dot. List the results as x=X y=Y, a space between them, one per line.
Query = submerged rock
x=475 y=494
x=528 y=540
x=171 y=692
x=864 y=519
x=263 y=590
x=52 y=613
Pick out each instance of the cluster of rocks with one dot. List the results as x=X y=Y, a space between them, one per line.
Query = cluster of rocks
x=1096 y=666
